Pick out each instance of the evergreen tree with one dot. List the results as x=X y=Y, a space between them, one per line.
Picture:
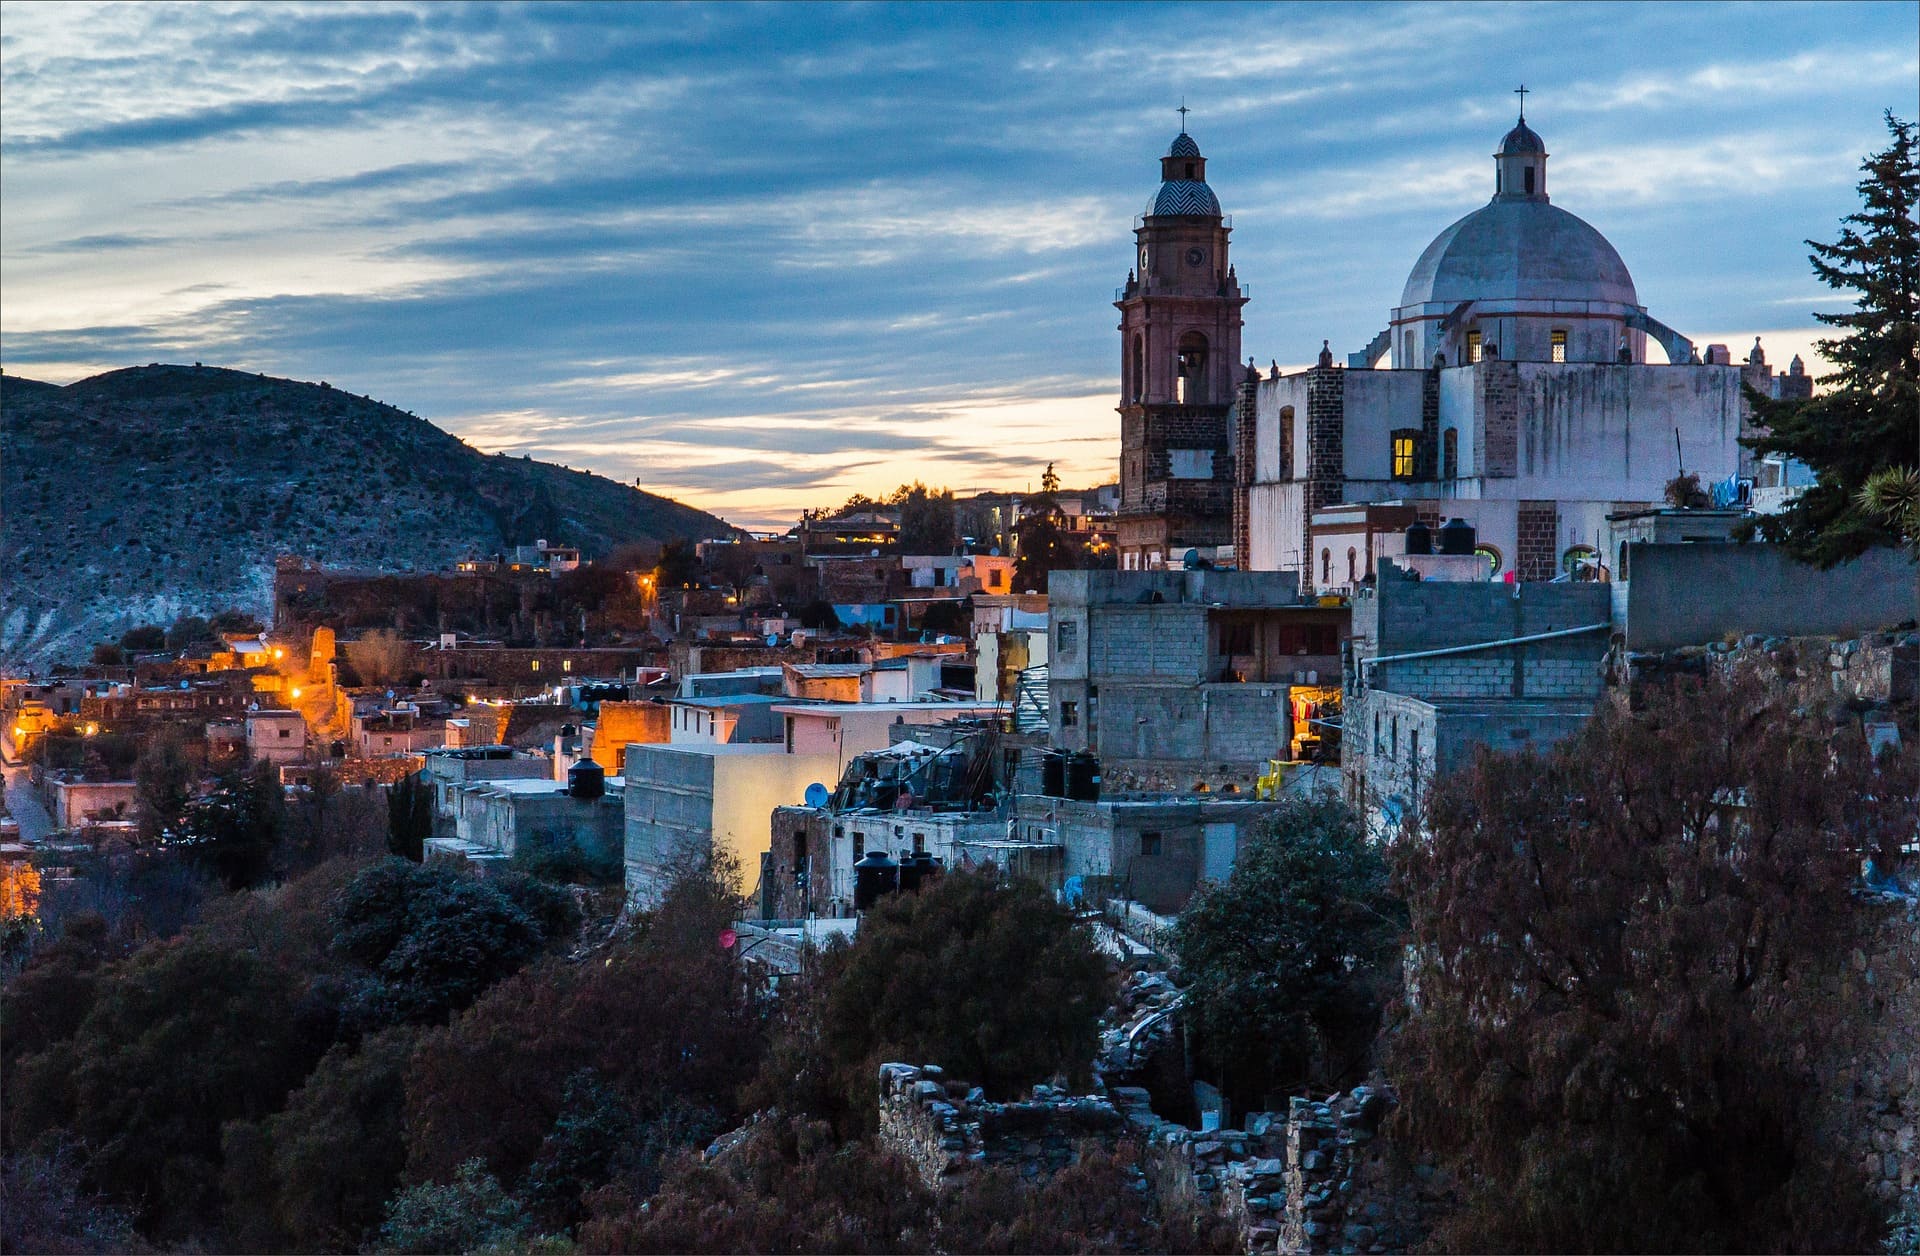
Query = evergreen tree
x=409 y=817
x=1862 y=434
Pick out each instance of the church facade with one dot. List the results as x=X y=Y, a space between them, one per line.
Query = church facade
x=1510 y=388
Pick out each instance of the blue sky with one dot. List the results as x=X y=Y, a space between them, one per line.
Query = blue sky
x=760 y=257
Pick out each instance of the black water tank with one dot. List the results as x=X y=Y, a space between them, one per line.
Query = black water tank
x=1053 y=774
x=911 y=871
x=1419 y=538
x=586 y=779
x=873 y=877
x=1456 y=537
x=1083 y=778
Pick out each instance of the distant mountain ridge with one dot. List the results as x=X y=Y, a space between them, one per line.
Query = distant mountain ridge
x=143 y=494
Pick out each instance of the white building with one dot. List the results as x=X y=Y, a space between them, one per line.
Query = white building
x=1519 y=397
x=276 y=736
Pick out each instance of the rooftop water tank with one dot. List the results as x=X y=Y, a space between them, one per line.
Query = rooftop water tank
x=874 y=877
x=1456 y=537
x=1419 y=538
x=586 y=779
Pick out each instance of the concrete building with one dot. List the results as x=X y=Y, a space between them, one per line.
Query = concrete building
x=1176 y=676
x=1513 y=389
x=276 y=736
x=1437 y=670
x=448 y=768
x=840 y=730
x=74 y=804
x=1153 y=850
x=681 y=797
x=497 y=818
x=1180 y=319
x=737 y=718
x=617 y=725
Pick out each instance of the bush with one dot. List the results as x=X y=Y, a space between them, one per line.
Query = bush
x=1624 y=946
x=559 y=857
x=468 y=1214
x=1288 y=959
x=990 y=979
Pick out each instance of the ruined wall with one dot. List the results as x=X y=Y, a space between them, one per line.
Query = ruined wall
x=1869 y=1083
x=945 y=1127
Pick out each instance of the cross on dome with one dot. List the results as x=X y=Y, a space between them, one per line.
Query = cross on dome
x=1520 y=91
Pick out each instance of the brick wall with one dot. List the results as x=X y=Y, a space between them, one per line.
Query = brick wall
x=1426 y=455
x=1539 y=537
x=1497 y=412
x=1326 y=452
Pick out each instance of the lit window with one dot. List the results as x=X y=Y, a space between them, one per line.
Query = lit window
x=1473 y=346
x=1559 y=346
x=1069 y=715
x=566 y=665
x=1403 y=455
x=534 y=665
x=1492 y=556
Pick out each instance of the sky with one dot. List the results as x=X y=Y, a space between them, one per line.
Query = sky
x=762 y=257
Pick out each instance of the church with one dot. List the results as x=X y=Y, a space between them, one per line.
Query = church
x=1510 y=388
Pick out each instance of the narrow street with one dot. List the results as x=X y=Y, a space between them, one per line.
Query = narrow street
x=24 y=805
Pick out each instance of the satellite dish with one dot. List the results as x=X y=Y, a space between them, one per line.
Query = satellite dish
x=817 y=795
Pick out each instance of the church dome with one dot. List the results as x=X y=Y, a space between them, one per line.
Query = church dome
x=1185 y=196
x=1521 y=140
x=1517 y=249
x=1184 y=146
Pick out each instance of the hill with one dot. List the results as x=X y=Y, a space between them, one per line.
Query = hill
x=144 y=494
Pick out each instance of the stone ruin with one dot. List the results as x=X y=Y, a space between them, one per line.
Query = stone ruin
x=946 y=1127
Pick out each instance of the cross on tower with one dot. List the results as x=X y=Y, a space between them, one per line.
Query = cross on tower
x=1521 y=92
x=1183 y=111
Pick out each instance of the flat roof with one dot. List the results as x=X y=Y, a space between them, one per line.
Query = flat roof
x=865 y=708
x=729 y=699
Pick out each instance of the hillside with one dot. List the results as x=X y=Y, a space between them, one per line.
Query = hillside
x=143 y=494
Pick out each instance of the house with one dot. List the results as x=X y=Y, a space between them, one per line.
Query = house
x=745 y=717
x=499 y=818
x=1152 y=849
x=685 y=797
x=276 y=736
x=840 y=730
x=76 y=804
x=1172 y=677
x=448 y=768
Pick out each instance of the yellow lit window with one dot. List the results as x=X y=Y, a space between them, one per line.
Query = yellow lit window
x=1559 y=346
x=1402 y=456
x=534 y=665
x=1473 y=346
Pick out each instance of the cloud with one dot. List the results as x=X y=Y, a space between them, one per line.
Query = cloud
x=766 y=253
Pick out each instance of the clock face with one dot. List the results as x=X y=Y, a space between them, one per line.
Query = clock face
x=1196 y=255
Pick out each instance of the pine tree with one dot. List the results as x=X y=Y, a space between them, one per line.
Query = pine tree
x=1868 y=420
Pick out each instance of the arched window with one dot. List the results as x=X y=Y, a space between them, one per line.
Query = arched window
x=1577 y=557
x=1139 y=368
x=1353 y=565
x=1492 y=555
x=1450 y=455
x=1193 y=369
x=1473 y=346
x=1286 y=442
x=1528 y=178
x=1326 y=567
x=1406 y=350
x=1620 y=568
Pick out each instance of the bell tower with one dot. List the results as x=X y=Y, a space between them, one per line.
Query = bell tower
x=1179 y=370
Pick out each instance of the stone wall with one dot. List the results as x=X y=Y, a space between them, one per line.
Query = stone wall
x=1869 y=1084
x=1680 y=595
x=944 y=1128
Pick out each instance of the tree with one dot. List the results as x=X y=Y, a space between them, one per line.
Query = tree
x=819 y=616
x=470 y=1213
x=43 y=1209
x=107 y=654
x=409 y=816
x=433 y=937
x=316 y=1176
x=234 y=831
x=184 y=1037
x=189 y=631
x=144 y=639
x=1863 y=426
x=990 y=979
x=1625 y=949
x=1288 y=958
x=1044 y=542
x=380 y=657
x=163 y=782
x=679 y=566
x=926 y=519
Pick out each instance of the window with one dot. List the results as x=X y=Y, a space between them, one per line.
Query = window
x=1393 y=738
x=566 y=665
x=1578 y=556
x=789 y=734
x=1528 y=179
x=1413 y=753
x=1353 y=565
x=1069 y=715
x=1450 y=455
x=1559 y=345
x=1403 y=454
x=1492 y=556
x=859 y=845
x=285 y=733
x=1190 y=464
x=1406 y=350
x=1286 y=442
x=1473 y=346
x=1620 y=567
x=534 y=665
x=1139 y=371
x=1192 y=362
x=1379 y=746
x=1326 y=566
x=1149 y=844
x=1066 y=638
x=919 y=843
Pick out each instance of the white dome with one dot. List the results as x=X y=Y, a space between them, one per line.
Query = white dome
x=1519 y=249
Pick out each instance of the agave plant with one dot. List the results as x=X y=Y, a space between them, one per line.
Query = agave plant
x=1892 y=496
